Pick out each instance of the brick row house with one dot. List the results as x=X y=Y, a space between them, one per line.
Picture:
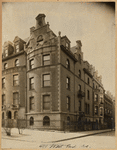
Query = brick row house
x=47 y=82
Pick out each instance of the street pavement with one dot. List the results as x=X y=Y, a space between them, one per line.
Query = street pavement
x=56 y=139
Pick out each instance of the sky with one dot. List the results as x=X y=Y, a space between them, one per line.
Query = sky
x=92 y=23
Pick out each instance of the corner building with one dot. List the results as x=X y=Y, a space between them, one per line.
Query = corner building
x=59 y=81
x=60 y=86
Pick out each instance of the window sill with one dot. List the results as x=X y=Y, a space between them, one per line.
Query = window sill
x=46 y=86
x=45 y=111
x=15 y=85
x=31 y=89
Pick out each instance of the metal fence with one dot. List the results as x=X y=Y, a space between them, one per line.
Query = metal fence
x=13 y=123
x=52 y=125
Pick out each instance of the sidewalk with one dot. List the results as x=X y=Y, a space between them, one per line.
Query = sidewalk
x=45 y=139
x=48 y=136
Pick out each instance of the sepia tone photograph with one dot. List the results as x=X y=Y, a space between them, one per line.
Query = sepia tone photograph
x=58 y=75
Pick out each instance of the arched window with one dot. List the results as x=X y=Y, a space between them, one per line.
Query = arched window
x=15 y=115
x=46 y=121
x=67 y=64
x=40 y=40
x=5 y=66
x=79 y=74
x=31 y=121
x=79 y=58
x=9 y=114
x=3 y=115
x=16 y=62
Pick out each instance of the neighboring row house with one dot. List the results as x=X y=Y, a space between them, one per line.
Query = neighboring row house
x=48 y=83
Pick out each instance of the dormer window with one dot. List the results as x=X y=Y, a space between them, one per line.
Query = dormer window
x=5 y=66
x=16 y=62
x=17 y=48
x=6 y=52
x=40 y=40
x=67 y=46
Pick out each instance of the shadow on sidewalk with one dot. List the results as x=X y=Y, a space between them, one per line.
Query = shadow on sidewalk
x=78 y=137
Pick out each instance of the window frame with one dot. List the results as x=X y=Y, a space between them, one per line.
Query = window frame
x=39 y=40
x=67 y=64
x=32 y=103
x=46 y=102
x=44 y=81
x=67 y=45
x=96 y=97
x=31 y=65
x=17 y=48
x=16 y=64
x=46 y=121
x=31 y=121
x=101 y=111
x=96 y=110
x=5 y=65
x=88 y=94
x=3 y=82
x=6 y=52
x=31 y=83
x=14 y=84
x=79 y=73
x=68 y=103
x=67 y=83
x=88 y=81
x=3 y=99
x=46 y=61
x=15 y=100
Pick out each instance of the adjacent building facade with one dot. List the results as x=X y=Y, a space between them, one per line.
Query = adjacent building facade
x=47 y=82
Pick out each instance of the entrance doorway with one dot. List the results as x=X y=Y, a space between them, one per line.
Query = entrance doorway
x=9 y=114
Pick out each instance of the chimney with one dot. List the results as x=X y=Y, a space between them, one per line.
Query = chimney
x=78 y=45
x=40 y=21
x=31 y=30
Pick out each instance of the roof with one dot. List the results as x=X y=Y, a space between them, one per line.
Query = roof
x=39 y=16
x=73 y=49
x=69 y=53
x=66 y=38
x=26 y=39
